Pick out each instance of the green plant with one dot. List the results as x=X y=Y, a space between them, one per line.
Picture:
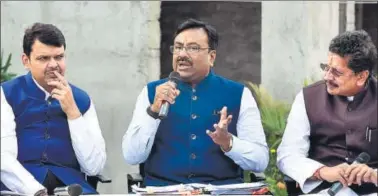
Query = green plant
x=273 y=116
x=5 y=75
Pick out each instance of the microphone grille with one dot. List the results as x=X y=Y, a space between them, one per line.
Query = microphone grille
x=174 y=76
x=363 y=158
x=75 y=190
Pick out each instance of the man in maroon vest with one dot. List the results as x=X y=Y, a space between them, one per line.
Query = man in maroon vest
x=334 y=120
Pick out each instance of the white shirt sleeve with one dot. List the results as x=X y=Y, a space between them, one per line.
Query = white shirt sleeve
x=139 y=137
x=13 y=174
x=292 y=153
x=250 y=150
x=88 y=142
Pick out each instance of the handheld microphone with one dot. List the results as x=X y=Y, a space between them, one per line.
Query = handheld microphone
x=174 y=77
x=71 y=190
x=336 y=187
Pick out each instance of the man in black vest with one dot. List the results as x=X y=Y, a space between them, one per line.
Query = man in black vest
x=334 y=120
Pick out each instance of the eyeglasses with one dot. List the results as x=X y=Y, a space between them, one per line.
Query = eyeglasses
x=188 y=49
x=336 y=73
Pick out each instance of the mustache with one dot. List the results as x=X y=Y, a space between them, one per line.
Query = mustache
x=52 y=69
x=184 y=59
x=332 y=83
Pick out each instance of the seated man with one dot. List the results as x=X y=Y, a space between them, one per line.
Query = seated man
x=50 y=135
x=198 y=142
x=334 y=120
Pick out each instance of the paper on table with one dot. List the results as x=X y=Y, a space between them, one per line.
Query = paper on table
x=253 y=185
x=12 y=193
x=194 y=186
x=162 y=189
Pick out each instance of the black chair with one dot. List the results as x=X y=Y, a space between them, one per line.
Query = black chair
x=93 y=180
x=137 y=178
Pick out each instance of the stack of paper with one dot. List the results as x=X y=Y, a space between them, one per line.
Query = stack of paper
x=174 y=189
x=11 y=193
x=235 y=189
x=242 y=188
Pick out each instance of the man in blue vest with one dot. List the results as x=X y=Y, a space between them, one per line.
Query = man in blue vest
x=213 y=129
x=50 y=135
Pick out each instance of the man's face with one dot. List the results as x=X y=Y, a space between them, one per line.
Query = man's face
x=43 y=61
x=194 y=62
x=340 y=79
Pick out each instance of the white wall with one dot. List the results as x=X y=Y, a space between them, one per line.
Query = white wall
x=112 y=52
x=295 y=39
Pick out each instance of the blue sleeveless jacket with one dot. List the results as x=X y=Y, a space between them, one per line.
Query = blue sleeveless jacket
x=182 y=151
x=42 y=131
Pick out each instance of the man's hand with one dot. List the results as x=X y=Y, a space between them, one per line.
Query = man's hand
x=63 y=93
x=164 y=92
x=221 y=136
x=333 y=174
x=359 y=173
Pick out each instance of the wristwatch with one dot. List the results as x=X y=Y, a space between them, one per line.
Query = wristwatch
x=153 y=114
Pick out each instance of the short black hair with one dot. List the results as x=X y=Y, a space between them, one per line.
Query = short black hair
x=358 y=47
x=212 y=35
x=46 y=33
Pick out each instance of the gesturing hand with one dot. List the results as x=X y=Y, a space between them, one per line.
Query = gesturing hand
x=221 y=136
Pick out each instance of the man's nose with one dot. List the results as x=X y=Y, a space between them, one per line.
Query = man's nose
x=52 y=63
x=183 y=52
x=328 y=75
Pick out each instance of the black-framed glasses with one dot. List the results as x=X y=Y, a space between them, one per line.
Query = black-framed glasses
x=189 y=49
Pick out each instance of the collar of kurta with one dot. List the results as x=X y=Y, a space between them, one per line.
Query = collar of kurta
x=32 y=89
x=360 y=96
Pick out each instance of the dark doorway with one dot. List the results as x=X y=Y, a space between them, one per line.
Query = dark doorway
x=367 y=19
x=239 y=28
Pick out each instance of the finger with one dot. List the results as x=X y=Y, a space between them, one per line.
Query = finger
x=171 y=84
x=61 y=78
x=341 y=178
x=172 y=94
x=58 y=97
x=360 y=175
x=229 y=119
x=374 y=178
x=58 y=92
x=211 y=134
x=56 y=84
x=353 y=175
x=349 y=169
x=222 y=125
x=165 y=96
x=177 y=92
x=366 y=177
x=223 y=113
x=216 y=127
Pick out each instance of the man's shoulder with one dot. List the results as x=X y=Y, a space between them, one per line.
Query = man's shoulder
x=316 y=85
x=12 y=87
x=78 y=92
x=14 y=81
x=156 y=82
x=228 y=81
